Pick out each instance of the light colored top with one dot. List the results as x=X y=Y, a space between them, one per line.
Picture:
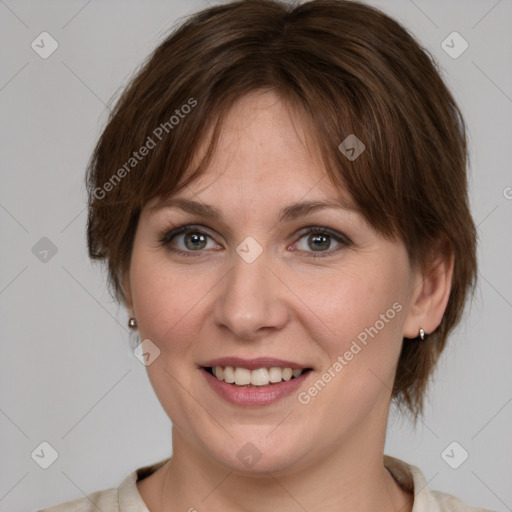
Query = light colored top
x=126 y=498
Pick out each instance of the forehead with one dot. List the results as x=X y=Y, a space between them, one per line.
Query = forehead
x=263 y=149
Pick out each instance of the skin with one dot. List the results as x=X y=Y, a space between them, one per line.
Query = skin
x=326 y=455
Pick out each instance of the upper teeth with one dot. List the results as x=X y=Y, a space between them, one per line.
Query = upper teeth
x=259 y=377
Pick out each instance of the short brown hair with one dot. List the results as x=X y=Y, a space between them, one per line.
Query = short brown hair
x=347 y=67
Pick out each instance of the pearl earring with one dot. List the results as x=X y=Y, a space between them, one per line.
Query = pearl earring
x=422 y=336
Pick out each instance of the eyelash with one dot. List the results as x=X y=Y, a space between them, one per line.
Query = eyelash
x=168 y=236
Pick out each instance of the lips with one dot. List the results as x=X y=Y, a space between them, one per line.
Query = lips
x=254 y=395
x=258 y=381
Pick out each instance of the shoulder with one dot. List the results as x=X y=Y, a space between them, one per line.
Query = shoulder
x=106 y=501
x=449 y=503
x=125 y=498
x=411 y=479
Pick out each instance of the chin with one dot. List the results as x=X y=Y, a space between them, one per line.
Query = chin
x=258 y=453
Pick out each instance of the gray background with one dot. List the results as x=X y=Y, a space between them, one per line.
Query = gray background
x=68 y=376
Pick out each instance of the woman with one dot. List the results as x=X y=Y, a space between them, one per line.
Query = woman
x=280 y=197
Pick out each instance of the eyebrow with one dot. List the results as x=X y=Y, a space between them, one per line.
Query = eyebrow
x=288 y=213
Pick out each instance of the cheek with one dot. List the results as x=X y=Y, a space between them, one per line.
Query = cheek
x=166 y=305
x=362 y=312
x=352 y=301
x=165 y=302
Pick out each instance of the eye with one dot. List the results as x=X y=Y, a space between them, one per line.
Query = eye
x=193 y=239
x=321 y=238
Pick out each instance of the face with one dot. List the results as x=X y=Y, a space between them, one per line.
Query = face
x=271 y=293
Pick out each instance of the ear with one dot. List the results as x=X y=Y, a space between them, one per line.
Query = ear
x=431 y=291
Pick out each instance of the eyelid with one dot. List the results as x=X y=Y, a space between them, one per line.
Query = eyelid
x=325 y=229
x=168 y=234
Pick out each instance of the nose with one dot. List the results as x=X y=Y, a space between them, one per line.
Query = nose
x=251 y=299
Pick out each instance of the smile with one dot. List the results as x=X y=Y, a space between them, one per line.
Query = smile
x=254 y=382
x=258 y=377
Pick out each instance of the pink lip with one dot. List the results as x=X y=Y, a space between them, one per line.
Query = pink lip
x=253 y=364
x=264 y=395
